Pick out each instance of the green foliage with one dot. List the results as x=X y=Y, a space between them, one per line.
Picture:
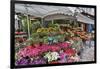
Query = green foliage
x=35 y=26
x=56 y=26
x=60 y=38
x=45 y=39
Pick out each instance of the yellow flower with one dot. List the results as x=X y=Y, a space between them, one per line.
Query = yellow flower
x=45 y=30
x=51 y=29
x=42 y=29
x=54 y=29
x=39 y=30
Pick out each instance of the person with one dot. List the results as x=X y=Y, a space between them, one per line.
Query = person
x=93 y=38
x=88 y=42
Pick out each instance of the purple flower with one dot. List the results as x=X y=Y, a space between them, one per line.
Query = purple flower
x=22 y=62
x=39 y=61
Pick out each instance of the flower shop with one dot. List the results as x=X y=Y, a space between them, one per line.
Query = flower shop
x=49 y=35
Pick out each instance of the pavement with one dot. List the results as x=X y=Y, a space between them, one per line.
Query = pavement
x=88 y=54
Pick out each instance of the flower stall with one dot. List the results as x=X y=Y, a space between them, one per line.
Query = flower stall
x=48 y=37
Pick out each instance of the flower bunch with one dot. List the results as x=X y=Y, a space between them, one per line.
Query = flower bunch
x=51 y=56
x=54 y=48
x=51 y=29
x=29 y=51
x=19 y=33
x=28 y=61
x=46 y=30
x=21 y=62
x=38 y=61
x=54 y=62
x=70 y=52
x=48 y=48
x=64 y=45
x=39 y=50
x=40 y=30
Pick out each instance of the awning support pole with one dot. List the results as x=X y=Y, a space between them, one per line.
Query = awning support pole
x=42 y=21
x=28 y=26
x=52 y=21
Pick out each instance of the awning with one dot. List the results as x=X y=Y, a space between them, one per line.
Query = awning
x=58 y=16
x=48 y=12
x=84 y=19
x=41 y=10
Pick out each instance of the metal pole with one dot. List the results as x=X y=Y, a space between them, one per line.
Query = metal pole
x=52 y=21
x=42 y=21
x=27 y=20
x=28 y=26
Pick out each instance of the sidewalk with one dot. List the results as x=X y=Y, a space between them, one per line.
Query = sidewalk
x=88 y=54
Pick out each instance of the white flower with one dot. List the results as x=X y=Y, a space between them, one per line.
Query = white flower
x=51 y=56
x=55 y=55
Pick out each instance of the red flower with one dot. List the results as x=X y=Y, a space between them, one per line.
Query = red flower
x=70 y=52
x=19 y=33
x=54 y=62
x=29 y=47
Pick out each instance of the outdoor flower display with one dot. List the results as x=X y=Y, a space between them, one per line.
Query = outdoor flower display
x=41 y=41
x=51 y=53
x=49 y=46
x=48 y=43
x=33 y=51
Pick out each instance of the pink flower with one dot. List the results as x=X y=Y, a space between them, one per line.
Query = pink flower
x=64 y=45
x=54 y=48
x=62 y=55
x=28 y=51
x=31 y=51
